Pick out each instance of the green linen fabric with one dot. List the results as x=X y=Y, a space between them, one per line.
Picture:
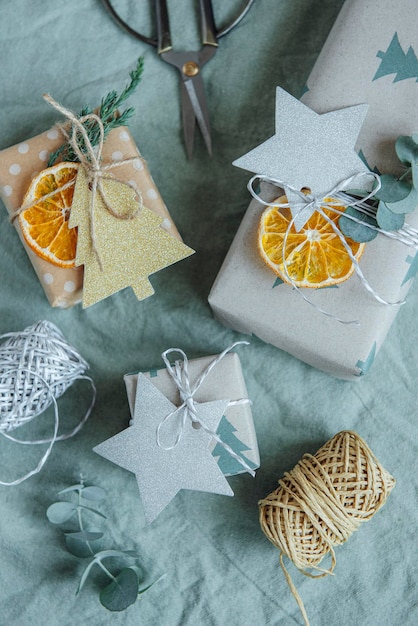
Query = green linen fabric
x=220 y=569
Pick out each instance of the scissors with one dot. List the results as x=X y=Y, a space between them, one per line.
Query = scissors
x=189 y=64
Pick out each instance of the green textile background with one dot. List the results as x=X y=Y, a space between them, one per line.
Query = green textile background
x=220 y=569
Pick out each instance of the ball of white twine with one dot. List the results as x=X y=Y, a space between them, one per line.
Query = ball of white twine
x=37 y=365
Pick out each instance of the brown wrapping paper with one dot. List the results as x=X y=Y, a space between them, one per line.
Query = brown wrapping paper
x=19 y=164
x=226 y=380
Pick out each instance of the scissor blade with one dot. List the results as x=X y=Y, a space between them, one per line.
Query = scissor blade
x=189 y=120
x=195 y=92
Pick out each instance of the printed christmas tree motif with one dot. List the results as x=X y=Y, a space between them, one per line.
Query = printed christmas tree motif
x=364 y=366
x=227 y=464
x=396 y=61
x=277 y=282
x=128 y=250
x=413 y=268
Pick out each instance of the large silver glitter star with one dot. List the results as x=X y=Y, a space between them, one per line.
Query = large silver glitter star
x=309 y=149
x=161 y=472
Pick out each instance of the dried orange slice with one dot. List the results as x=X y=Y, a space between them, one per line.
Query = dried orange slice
x=314 y=256
x=44 y=224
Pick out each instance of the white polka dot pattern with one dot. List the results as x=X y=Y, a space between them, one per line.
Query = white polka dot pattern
x=52 y=134
x=152 y=194
x=69 y=286
x=48 y=279
x=15 y=169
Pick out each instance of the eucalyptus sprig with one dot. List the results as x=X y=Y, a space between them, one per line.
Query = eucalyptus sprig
x=108 y=113
x=395 y=198
x=124 y=587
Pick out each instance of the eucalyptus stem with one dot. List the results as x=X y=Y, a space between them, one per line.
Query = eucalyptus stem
x=124 y=587
x=80 y=520
x=104 y=568
x=406 y=173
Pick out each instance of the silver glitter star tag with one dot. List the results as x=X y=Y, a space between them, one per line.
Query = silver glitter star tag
x=164 y=466
x=308 y=150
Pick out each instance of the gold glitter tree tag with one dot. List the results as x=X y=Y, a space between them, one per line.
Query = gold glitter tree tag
x=118 y=252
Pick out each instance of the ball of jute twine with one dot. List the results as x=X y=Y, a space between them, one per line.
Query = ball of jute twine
x=322 y=501
x=37 y=365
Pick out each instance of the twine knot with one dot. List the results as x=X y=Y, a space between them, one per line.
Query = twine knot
x=302 y=204
x=90 y=158
x=179 y=373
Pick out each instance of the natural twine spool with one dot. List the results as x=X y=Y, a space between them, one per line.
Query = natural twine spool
x=322 y=501
x=37 y=365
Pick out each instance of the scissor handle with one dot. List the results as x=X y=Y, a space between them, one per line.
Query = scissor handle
x=163 y=26
x=216 y=34
x=209 y=33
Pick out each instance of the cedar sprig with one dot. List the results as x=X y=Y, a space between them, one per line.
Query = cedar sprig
x=108 y=113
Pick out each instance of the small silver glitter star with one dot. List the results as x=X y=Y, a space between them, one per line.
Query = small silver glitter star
x=162 y=472
x=308 y=149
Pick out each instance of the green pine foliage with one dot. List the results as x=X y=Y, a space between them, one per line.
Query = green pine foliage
x=108 y=113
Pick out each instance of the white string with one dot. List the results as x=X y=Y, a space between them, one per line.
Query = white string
x=187 y=410
x=406 y=235
x=37 y=365
x=309 y=200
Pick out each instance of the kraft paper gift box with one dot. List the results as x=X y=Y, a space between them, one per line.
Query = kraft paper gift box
x=371 y=56
x=225 y=380
x=19 y=164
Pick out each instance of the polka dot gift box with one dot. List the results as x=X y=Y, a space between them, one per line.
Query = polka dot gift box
x=22 y=165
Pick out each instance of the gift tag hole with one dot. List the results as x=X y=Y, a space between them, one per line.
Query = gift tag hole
x=196 y=425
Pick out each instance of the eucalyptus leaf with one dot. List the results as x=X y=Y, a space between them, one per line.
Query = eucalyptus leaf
x=144 y=589
x=387 y=219
x=121 y=592
x=138 y=571
x=60 y=512
x=414 y=169
x=72 y=488
x=104 y=554
x=78 y=548
x=85 y=535
x=85 y=574
x=88 y=508
x=407 y=150
x=392 y=189
x=94 y=493
x=407 y=205
x=415 y=138
x=359 y=232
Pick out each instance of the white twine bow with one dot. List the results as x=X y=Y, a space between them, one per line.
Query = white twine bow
x=90 y=158
x=187 y=410
x=308 y=203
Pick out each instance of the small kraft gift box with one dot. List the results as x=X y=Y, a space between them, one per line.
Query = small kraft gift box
x=191 y=427
x=364 y=90
x=86 y=207
x=226 y=380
